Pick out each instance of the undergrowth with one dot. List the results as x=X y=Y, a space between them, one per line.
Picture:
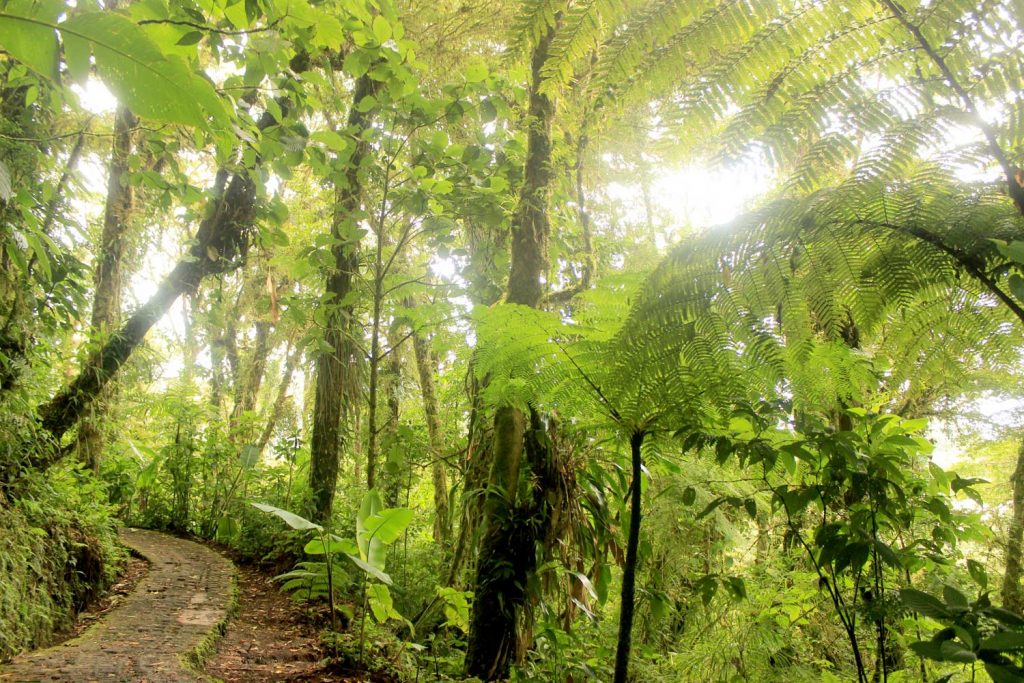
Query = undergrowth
x=58 y=550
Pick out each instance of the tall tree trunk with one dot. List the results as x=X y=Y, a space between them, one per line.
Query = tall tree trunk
x=426 y=367
x=330 y=365
x=483 y=291
x=372 y=439
x=106 y=307
x=507 y=556
x=1013 y=595
x=627 y=603
x=393 y=473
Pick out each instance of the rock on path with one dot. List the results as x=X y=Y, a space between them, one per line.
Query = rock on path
x=180 y=603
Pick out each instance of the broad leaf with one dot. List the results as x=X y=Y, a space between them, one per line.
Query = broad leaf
x=371 y=570
x=316 y=547
x=290 y=518
x=1004 y=640
x=924 y=604
x=387 y=525
x=27 y=34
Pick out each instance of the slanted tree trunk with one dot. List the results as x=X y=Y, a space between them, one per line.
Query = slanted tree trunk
x=1013 y=595
x=507 y=556
x=426 y=367
x=220 y=240
x=106 y=306
x=330 y=365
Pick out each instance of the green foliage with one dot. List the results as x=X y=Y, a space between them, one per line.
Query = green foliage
x=765 y=361
x=974 y=632
x=150 y=82
x=376 y=528
x=60 y=550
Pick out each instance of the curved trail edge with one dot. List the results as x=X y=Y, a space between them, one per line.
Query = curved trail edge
x=158 y=633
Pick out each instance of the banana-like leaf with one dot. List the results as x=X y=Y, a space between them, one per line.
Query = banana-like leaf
x=290 y=518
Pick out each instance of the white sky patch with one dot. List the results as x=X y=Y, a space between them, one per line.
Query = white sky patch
x=444 y=267
x=998 y=413
x=95 y=97
x=692 y=196
x=700 y=196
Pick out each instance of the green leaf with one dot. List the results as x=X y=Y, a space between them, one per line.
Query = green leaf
x=357 y=63
x=153 y=85
x=978 y=573
x=960 y=483
x=387 y=525
x=250 y=456
x=1016 y=284
x=330 y=139
x=366 y=104
x=329 y=32
x=954 y=598
x=1005 y=616
x=381 y=29
x=190 y=38
x=379 y=598
x=488 y=112
x=914 y=425
x=689 y=495
x=227 y=529
x=237 y=15
x=953 y=651
x=370 y=550
x=475 y=72
x=76 y=54
x=290 y=518
x=27 y=34
x=370 y=569
x=924 y=604
x=1012 y=250
x=1004 y=674
x=712 y=506
x=736 y=586
x=1004 y=641
x=316 y=547
x=928 y=649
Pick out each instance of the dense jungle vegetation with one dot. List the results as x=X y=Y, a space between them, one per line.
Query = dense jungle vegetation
x=557 y=340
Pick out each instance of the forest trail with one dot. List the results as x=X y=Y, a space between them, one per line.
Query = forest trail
x=178 y=605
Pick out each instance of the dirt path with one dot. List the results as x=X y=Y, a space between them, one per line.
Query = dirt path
x=269 y=639
x=176 y=610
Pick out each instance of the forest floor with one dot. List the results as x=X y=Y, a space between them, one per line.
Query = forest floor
x=168 y=610
x=270 y=638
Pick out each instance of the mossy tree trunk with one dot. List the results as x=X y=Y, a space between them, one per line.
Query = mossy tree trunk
x=106 y=306
x=330 y=365
x=507 y=555
x=1013 y=596
x=426 y=366
x=395 y=468
x=277 y=409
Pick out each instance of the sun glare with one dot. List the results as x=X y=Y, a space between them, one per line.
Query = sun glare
x=95 y=97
